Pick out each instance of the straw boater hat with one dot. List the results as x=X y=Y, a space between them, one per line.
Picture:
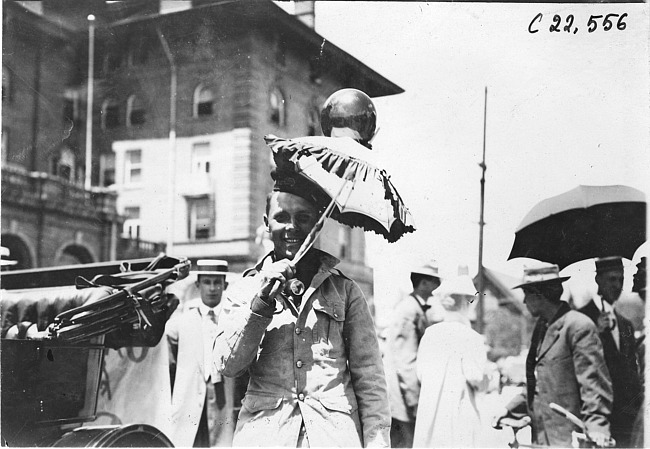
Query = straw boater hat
x=604 y=264
x=541 y=275
x=211 y=266
x=429 y=269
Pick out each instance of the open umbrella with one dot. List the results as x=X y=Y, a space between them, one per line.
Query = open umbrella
x=363 y=194
x=583 y=223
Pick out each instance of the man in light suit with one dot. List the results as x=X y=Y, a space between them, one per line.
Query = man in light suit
x=410 y=318
x=565 y=365
x=619 y=346
x=202 y=401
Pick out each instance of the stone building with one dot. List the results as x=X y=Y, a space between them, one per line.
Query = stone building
x=182 y=100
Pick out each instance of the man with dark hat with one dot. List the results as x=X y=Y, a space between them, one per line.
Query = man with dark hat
x=316 y=375
x=409 y=320
x=619 y=346
x=202 y=401
x=565 y=365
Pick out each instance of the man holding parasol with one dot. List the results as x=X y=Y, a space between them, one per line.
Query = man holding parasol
x=301 y=328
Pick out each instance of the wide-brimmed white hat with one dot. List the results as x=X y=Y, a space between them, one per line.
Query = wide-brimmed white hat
x=429 y=269
x=541 y=275
x=459 y=285
x=211 y=267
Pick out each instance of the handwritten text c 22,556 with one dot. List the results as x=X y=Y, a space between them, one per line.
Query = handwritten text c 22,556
x=568 y=23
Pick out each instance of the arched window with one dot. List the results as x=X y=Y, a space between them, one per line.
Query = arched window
x=278 y=111
x=313 y=123
x=135 y=111
x=110 y=114
x=63 y=164
x=203 y=101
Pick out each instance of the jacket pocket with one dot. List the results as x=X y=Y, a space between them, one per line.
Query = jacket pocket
x=329 y=320
x=254 y=403
x=338 y=403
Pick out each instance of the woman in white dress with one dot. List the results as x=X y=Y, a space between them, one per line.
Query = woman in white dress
x=451 y=365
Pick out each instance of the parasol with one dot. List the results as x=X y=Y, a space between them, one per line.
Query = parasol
x=583 y=223
x=363 y=195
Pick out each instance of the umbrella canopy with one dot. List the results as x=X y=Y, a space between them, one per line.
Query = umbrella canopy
x=364 y=195
x=583 y=223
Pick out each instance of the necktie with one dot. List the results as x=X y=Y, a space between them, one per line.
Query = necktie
x=209 y=335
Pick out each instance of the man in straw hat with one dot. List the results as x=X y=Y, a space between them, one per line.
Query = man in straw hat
x=619 y=347
x=565 y=365
x=451 y=368
x=316 y=375
x=409 y=320
x=202 y=400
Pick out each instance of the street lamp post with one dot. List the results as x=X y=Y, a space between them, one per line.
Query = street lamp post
x=172 y=140
x=480 y=313
x=89 y=102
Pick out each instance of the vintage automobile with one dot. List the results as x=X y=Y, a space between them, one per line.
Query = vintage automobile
x=56 y=325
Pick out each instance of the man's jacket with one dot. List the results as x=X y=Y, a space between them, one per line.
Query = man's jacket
x=565 y=365
x=624 y=370
x=323 y=368
x=407 y=326
x=185 y=337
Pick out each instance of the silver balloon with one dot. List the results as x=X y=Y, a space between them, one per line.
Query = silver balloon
x=351 y=113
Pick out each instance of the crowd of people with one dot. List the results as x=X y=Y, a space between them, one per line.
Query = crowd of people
x=318 y=377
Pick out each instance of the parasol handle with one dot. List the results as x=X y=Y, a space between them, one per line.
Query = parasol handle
x=295 y=285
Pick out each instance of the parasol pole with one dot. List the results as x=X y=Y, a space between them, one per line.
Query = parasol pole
x=315 y=231
x=481 y=287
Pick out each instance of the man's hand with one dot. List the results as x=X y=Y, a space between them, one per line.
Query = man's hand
x=274 y=277
x=496 y=419
x=595 y=439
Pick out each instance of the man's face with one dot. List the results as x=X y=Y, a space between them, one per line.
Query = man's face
x=290 y=219
x=610 y=284
x=430 y=284
x=211 y=288
x=533 y=300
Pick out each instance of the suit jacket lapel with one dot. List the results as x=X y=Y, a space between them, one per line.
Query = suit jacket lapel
x=551 y=337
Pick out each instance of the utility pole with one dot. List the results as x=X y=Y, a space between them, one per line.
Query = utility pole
x=480 y=312
x=89 y=102
x=172 y=141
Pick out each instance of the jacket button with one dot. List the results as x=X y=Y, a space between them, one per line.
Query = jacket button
x=298 y=330
x=301 y=397
x=336 y=315
x=299 y=363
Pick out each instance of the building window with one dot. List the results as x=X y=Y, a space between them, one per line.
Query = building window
x=63 y=164
x=315 y=69
x=278 y=111
x=313 y=123
x=135 y=111
x=5 y=145
x=107 y=170
x=203 y=102
x=138 y=53
x=71 y=107
x=200 y=218
x=112 y=61
x=345 y=239
x=201 y=158
x=110 y=114
x=132 y=223
x=133 y=167
x=6 y=84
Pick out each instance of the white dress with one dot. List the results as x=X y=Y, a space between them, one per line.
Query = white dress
x=450 y=365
